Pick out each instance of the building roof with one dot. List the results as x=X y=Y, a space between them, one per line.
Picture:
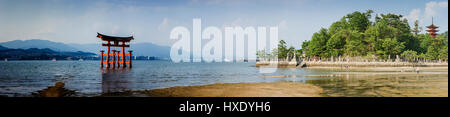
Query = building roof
x=432 y=26
x=113 y=38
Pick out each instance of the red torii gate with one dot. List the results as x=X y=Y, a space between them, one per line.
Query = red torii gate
x=114 y=42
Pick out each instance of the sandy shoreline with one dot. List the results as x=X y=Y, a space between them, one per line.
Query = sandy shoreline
x=278 y=89
x=430 y=82
x=333 y=85
x=383 y=84
x=381 y=69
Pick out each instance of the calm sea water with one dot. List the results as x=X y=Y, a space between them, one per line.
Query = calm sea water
x=21 y=78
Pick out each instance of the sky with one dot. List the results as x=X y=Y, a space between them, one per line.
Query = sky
x=78 y=21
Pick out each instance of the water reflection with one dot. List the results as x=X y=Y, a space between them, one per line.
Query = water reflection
x=116 y=80
x=387 y=85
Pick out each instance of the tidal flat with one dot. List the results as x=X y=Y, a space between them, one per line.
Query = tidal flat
x=337 y=84
x=166 y=79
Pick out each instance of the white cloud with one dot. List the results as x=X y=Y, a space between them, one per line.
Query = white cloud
x=163 y=24
x=237 y=22
x=217 y=1
x=432 y=8
x=283 y=25
x=413 y=15
x=247 y=2
x=115 y=29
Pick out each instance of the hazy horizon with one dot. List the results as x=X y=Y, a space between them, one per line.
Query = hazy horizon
x=69 y=21
x=75 y=42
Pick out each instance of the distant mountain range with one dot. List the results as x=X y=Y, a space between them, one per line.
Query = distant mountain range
x=42 y=54
x=3 y=48
x=40 y=44
x=139 y=49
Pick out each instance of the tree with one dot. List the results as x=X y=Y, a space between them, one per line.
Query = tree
x=335 y=46
x=261 y=54
x=400 y=29
x=274 y=54
x=443 y=53
x=432 y=52
x=445 y=37
x=422 y=56
x=371 y=38
x=282 y=49
x=392 y=47
x=298 y=53
x=319 y=39
x=416 y=30
x=424 y=42
x=434 y=49
x=290 y=52
x=387 y=36
x=354 y=44
x=338 y=26
x=375 y=34
x=410 y=55
x=305 y=48
x=359 y=21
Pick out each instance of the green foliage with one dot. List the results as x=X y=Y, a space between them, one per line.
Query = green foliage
x=282 y=49
x=417 y=29
x=445 y=37
x=290 y=51
x=261 y=54
x=354 y=44
x=274 y=54
x=359 y=21
x=424 y=42
x=305 y=48
x=280 y=52
x=316 y=46
x=410 y=55
x=335 y=46
x=392 y=47
x=443 y=53
x=389 y=35
x=435 y=51
x=422 y=56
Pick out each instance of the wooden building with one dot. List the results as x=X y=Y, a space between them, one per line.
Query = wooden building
x=432 y=29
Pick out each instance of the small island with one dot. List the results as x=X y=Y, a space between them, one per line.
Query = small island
x=356 y=43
